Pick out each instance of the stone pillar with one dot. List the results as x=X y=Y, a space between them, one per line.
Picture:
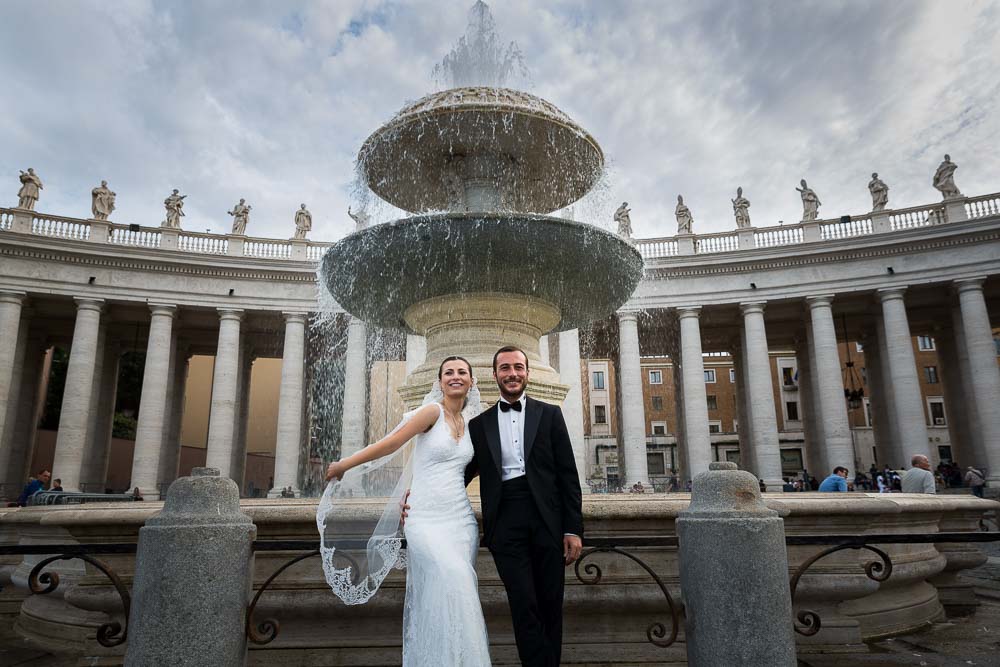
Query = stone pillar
x=911 y=423
x=416 y=352
x=290 y=400
x=240 y=429
x=15 y=449
x=763 y=424
x=974 y=443
x=10 y=326
x=813 y=457
x=697 y=443
x=737 y=603
x=171 y=453
x=743 y=429
x=102 y=411
x=354 y=433
x=153 y=403
x=830 y=402
x=572 y=407
x=883 y=423
x=985 y=375
x=222 y=417
x=633 y=413
x=193 y=576
x=956 y=400
x=75 y=413
x=543 y=349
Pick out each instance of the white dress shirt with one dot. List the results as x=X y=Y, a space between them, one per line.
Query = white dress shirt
x=512 y=440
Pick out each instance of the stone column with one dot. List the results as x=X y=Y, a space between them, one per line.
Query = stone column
x=416 y=352
x=813 y=457
x=193 y=576
x=697 y=443
x=543 y=349
x=911 y=423
x=102 y=407
x=737 y=603
x=883 y=423
x=15 y=450
x=743 y=429
x=222 y=417
x=830 y=402
x=569 y=374
x=763 y=425
x=286 y=453
x=153 y=403
x=171 y=457
x=633 y=413
x=354 y=433
x=10 y=326
x=240 y=429
x=985 y=375
x=956 y=400
x=974 y=443
x=75 y=413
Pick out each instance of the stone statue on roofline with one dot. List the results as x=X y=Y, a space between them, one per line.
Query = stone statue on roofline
x=741 y=209
x=624 y=221
x=684 y=218
x=880 y=193
x=31 y=184
x=241 y=216
x=944 y=179
x=303 y=222
x=360 y=218
x=175 y=209
x=102 y=201
x=810 y=202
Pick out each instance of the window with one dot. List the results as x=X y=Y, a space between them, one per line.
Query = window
x=859 y=347
x=936 y=408
x=792 y=410
x=710 y=375
x=659 y=428
x=598 y=379
x=925 y=343
x=715 y=427
x=655 y=464
x=655 y=377
x=600 y=414
x=657 y=402
x=930 y=374
x=713 y=403
x=788 y=376
x=732 y=374
x=868 y=412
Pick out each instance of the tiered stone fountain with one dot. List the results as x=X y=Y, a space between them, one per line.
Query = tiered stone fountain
x=481 y=265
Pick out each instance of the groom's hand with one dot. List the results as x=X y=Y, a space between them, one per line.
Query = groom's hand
x=572 y=546
x=404 y=509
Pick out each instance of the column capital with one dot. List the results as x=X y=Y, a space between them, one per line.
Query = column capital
x=890 y=293
x=163 y=310
x=627 y=316
x=230 y=314
x=969 y=284
x=753 y=307
x=13 y=296
x=820 y=300
x=684 y=312
x=295 y=317
x=87 y=303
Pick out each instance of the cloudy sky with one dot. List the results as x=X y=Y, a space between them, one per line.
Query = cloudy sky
x=271 y=100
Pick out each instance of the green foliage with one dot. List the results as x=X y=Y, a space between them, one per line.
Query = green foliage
x=124 y=427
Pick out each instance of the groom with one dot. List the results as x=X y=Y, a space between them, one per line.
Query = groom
x=532 y=506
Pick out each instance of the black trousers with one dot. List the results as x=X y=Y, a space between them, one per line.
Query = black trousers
x=530 y=564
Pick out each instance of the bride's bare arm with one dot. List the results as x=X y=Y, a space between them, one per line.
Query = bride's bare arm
x=419 y=423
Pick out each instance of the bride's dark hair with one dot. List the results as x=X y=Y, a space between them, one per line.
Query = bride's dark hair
x=467 y=365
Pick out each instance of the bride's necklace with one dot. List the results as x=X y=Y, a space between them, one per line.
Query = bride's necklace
x=455 y=424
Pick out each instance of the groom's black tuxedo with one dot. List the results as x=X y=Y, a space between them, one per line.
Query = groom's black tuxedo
x=525 y=519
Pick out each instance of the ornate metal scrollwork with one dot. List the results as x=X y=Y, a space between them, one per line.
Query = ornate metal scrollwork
x=808 y=622
x=109 y=634
x=656 y=631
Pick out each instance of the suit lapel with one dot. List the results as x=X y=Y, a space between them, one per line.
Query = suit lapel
x=492 y=428
x=531 y=420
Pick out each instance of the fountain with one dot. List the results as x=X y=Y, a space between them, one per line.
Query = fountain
x=481 y=265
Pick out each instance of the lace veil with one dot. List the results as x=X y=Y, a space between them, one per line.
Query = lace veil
x=358 y=548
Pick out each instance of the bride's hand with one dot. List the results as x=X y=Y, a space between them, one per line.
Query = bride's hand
x=335 y=470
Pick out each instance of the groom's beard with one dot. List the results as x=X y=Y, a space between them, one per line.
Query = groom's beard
x=517 y=391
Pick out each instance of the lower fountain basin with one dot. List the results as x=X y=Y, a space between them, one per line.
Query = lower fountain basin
x=378 y=273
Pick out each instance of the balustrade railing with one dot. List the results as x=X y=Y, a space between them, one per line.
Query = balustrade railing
x=654 y=248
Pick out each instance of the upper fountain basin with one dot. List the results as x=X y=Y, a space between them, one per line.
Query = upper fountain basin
x=379 y=272
x=534 y=156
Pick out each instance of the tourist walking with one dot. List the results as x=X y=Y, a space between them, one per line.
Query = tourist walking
x=836 y=482
x=919 y=478
x=976 y=481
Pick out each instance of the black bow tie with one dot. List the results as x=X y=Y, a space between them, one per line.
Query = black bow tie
x=507 y=407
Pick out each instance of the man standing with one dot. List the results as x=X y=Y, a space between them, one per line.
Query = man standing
x=976 y=480
x=33 y=487
x=919 y=478
x=835 y=482
x=532 y=505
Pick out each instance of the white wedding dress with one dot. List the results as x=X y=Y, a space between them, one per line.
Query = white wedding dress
x=442 y=618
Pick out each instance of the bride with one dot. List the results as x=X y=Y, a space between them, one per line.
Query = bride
x=442 y=616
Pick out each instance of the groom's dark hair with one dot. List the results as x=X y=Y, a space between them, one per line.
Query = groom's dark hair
x=509 y=348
